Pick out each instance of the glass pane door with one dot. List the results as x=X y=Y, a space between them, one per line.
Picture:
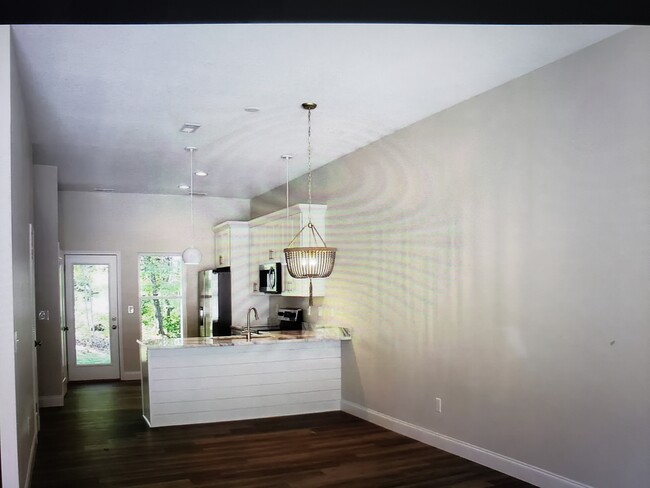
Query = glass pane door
x=92 y=317
x=91 y=314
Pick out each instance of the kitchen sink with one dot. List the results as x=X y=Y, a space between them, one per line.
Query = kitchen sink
x=254 y=335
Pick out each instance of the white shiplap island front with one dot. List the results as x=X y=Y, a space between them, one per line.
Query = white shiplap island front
x=202 y=379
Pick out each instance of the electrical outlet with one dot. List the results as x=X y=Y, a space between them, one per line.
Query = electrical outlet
x=439 y=405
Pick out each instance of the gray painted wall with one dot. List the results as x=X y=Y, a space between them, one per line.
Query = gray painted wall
x=17 y=419
x=51 y=373
x=496 y=255
x=129 y=224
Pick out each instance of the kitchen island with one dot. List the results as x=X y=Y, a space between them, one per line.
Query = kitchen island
x=209 y=379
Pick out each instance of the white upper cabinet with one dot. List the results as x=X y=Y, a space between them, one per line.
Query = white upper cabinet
x=222 y=246
x=230 y=238
x=257 y=246
x=246 y=245
x=271 y=233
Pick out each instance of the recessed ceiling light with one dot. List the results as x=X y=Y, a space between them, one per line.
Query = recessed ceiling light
x=198 y=194
x=189 y=128
x=201 y=173
x=184 y=187
x=103 y=189
x=252 y=109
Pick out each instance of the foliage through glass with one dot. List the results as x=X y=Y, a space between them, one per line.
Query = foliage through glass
x=91 y=314
x=160 y=296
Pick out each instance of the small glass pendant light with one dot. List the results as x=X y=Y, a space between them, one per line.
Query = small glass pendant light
x=191 y=255
x=317 y=260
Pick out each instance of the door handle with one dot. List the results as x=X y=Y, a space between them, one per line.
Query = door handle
x=37 y=343
x=114 y=326
x=66 y=328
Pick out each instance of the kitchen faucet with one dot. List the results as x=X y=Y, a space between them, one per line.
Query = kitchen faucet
x=248 y=322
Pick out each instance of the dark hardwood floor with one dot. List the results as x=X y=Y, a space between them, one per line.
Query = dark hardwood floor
x=99 y=439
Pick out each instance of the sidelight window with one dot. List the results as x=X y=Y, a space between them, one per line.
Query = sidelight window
x=161 y=295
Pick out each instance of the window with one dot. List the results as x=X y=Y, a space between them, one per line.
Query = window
x=161 y=295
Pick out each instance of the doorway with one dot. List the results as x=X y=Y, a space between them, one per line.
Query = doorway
x=92 y=319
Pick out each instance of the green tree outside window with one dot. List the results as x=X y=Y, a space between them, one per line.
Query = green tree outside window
x=160 y=296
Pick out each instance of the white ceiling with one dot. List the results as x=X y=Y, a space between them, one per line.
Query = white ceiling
x=105 y=103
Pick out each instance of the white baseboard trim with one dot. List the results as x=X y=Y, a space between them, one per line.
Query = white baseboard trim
x=130 y=375
x=32 y=459
x=493 y=460
x=50 y=401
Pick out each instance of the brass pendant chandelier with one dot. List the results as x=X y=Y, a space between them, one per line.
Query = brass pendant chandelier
x=315 y=260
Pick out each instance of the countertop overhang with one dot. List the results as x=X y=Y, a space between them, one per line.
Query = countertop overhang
x=270 y=337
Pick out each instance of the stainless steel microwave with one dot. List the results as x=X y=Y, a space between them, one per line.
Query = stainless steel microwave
x=271 y=278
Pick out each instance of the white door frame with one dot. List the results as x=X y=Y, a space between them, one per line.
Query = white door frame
x=64 y=327
x=81 y=373
x=36 y=342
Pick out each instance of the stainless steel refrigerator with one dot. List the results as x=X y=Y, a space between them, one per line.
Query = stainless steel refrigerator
x=215 y=308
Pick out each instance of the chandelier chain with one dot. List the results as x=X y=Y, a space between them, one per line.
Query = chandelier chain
x=309 y=259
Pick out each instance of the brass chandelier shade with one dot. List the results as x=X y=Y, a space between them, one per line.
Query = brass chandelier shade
x=310 y=262
x=317 y=259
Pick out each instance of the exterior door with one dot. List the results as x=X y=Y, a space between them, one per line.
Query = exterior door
x=91 y=315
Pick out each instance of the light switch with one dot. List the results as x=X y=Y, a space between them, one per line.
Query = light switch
x=130 y=309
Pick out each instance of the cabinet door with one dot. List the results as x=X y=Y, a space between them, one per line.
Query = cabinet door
x=267 y=240
x=270 y=241
x=279 y=240
x=266 y=236
x=256 y=250
x=291 y=227
x=222 y=247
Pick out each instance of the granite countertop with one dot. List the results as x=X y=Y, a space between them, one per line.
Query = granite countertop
x=270 y=337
